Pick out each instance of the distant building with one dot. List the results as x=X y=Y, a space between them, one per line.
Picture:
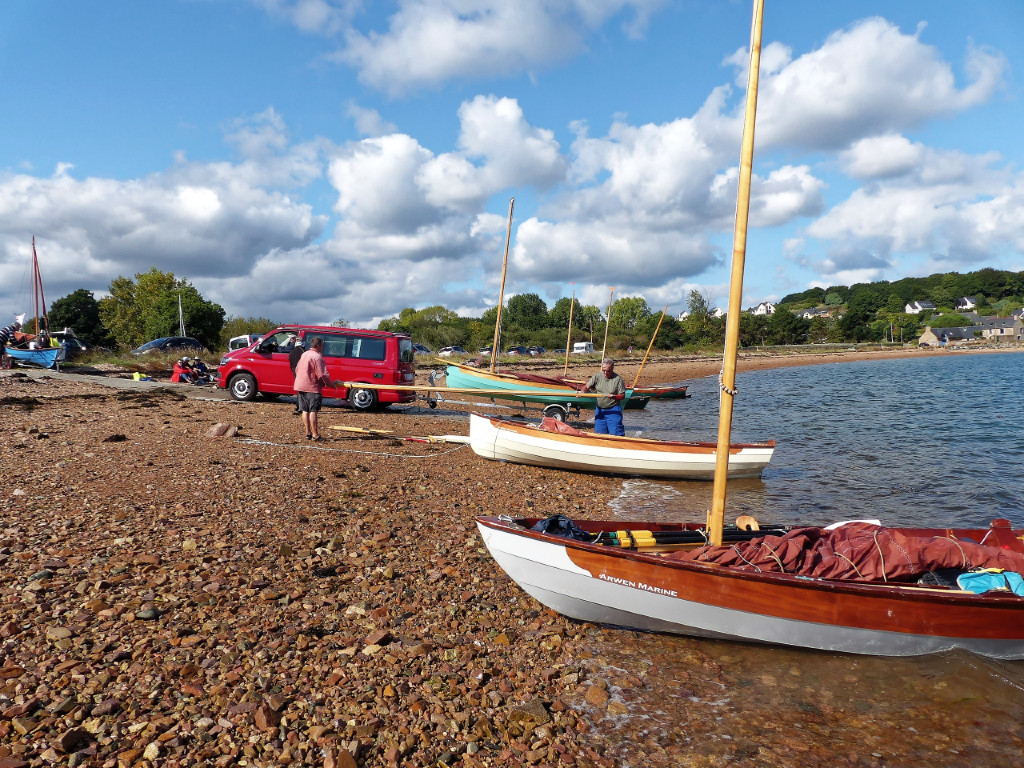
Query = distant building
x=682 y=316
x=811 y=314
x=717 y=312
x=939 y=337
x=918 y=306
x=965 y=303
x=1001 y=328
x=764 y=308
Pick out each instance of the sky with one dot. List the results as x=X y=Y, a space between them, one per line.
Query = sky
x=310 y=160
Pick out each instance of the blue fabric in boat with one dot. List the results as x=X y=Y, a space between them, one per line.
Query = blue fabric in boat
x=980 y=582
x=560 y=525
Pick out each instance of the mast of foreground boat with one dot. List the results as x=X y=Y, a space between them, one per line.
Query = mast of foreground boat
x=495 y=349
x=568 y=339
x=739 y=249
x=653 y=337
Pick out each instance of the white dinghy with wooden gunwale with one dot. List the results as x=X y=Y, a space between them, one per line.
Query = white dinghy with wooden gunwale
x=567 y=448
x=856 y=588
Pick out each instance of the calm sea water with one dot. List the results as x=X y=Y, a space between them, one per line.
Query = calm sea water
x=926 y=441
x=934 y=441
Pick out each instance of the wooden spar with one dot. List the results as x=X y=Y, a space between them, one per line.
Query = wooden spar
x=607 y=322
x=466 y=390
x=495 y=348
x=644 y=361
x=739 y=251
x=39 y=299
x=568 y=339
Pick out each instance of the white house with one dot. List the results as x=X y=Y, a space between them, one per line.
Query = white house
x=918 y=306
x=965 y=302
x=764 y=308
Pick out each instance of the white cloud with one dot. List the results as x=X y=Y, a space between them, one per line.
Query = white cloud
x=866 y=80
x=368 y=121
x=324 y=17
x=430 y=41
x=879 y=157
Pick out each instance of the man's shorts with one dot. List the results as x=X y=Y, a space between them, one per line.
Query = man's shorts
x=310 y=402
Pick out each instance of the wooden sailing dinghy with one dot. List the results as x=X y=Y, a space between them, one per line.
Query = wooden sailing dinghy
x=792 y=587
x=568 y=448
x=644 y=588
x=528 y=388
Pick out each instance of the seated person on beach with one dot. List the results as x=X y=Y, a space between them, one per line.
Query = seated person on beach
x=182 y=373
x=200 y=373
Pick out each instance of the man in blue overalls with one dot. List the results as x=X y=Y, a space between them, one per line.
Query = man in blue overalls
x=608 y=413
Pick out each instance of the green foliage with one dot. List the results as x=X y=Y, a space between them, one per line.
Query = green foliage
x=434 y=326
x=833 y=299
x=146 y=308
x=754 y=329
x=526 y=310
x=787 y=328
x=80 y=312
x=700 y=328
x=237 y=326
x=949 y=320
x=558 y=315
x=628 y=314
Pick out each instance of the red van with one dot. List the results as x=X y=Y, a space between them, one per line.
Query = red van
x=351 y=354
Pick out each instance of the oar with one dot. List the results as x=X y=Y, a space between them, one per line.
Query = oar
x=638 y=538
x=562 y=396
x=387 y=434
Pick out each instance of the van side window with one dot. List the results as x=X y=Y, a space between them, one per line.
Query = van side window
x=358 y=347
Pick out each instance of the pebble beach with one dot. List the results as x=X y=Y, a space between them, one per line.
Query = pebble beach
x=186 y=581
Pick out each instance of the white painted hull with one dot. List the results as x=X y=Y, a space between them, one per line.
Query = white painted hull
x=521 y=444
x=608 y=586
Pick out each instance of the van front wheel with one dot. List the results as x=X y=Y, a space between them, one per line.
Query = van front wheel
x=242 y=386
x=363 y=399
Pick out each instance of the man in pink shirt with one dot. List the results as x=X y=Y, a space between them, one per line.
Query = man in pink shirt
x=310 y=379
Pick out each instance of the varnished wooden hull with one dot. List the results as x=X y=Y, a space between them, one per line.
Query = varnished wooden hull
x=645 y=591
x=504 y=440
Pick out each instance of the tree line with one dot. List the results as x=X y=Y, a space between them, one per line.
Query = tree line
x=145 y=307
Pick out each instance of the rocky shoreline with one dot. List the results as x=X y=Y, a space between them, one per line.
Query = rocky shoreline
x=175 y=598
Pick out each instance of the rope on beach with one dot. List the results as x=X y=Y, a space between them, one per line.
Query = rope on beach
x=251 y=441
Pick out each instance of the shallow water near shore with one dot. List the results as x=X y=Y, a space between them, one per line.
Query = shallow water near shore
x=928 y=442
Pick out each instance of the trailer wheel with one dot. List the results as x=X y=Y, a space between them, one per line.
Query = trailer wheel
x=556 y=412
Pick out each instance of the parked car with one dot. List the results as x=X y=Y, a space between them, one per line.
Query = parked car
x=537 y=351
x=558 y=351
x=517 y=350
x=245 y=340
x=449 y=351
x=352 y=355
x=73 y=346
x=484 y=351
x=421 y=349
x=582 y=348
x=170 y=345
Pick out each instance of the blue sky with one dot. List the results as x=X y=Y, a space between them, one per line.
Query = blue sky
x=305 y=160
